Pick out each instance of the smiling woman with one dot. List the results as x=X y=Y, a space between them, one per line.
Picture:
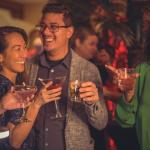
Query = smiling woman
x=12 y=58
x=13 y=42
x=12 y=52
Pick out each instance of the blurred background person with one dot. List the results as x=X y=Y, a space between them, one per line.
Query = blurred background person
x=105 y=55
x=35 y=45
x=114 y=136
x=84 y=42
x=133 y=107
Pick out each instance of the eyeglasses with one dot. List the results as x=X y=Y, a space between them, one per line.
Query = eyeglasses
x=53 y=27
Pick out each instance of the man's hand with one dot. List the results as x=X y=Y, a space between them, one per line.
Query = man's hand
x=89 y=92
x=47 y=94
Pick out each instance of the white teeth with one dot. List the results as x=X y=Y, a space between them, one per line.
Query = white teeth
x=49 y=39
x=20 y=62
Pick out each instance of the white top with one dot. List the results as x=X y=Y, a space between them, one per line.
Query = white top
x=4 y=132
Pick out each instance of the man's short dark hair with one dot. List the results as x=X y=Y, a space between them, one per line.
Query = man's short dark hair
x=82 y=33
x=59 y=8
x=6 y=30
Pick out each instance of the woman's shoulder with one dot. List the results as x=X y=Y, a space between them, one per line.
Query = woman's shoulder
x=5 y=85
x=4 y=80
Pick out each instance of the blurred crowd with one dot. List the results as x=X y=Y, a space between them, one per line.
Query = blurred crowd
x=110 y=35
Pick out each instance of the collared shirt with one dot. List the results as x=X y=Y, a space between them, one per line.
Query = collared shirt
x=50 y=132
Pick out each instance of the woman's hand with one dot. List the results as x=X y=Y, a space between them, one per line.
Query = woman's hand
x=126 y=84
x=11 y=100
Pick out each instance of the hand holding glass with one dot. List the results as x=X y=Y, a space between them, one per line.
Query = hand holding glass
x=16 y=100
x=25 y=94
x=56 y=83
x=123 y=74
x=127 y=76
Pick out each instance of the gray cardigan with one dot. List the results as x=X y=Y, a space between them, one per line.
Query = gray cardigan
x=79 y=116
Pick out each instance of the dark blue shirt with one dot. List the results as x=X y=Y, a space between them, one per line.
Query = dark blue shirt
x=50 y=132
x=11 y=116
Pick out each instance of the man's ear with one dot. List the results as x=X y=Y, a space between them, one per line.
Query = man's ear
x=70 y=32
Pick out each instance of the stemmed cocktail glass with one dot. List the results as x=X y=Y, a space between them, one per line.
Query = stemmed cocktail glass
x=25 y=94
x=56 y=83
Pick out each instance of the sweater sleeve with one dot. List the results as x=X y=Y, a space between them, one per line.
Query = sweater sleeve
x=97 y=112
x=126 y=112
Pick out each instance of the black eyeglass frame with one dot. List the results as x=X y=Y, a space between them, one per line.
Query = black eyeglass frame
x=53 y=27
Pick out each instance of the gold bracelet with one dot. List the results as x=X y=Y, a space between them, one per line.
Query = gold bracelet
x=25 y=120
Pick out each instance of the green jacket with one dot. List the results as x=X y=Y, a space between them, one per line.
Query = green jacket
x=137 y=112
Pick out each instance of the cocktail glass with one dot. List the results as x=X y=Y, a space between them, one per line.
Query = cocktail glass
x=56 y=83
x=123 y=73
x=25 y=94
x=74 y=91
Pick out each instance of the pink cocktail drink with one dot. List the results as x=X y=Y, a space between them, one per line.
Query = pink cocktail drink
x=56 y=83
x=25 y=92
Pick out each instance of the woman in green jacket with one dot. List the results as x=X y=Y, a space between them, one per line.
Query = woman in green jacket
x=134 y=106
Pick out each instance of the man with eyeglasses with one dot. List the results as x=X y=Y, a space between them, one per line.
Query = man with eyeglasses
x=71 y=131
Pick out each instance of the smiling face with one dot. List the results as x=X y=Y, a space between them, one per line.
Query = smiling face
x=55 y=43
x=13 y=57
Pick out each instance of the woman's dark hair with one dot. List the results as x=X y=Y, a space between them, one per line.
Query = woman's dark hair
x=59 y=8
x=147 y=47
x=142 y=53
x=6 y=30
x=108 y=48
